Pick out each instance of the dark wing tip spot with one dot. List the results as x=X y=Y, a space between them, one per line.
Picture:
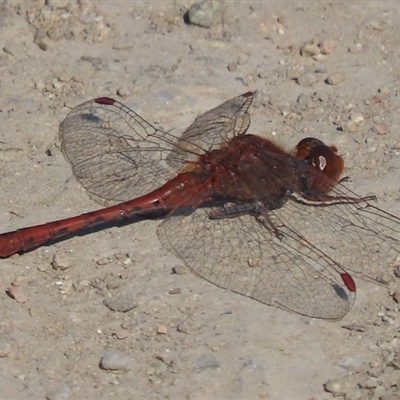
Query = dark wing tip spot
x=248 y=94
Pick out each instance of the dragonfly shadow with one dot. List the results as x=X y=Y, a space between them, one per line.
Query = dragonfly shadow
x=340 y=292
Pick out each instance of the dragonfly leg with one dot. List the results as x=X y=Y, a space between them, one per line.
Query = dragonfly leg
x=232 y=210
x=326 y=199
x=256 y=208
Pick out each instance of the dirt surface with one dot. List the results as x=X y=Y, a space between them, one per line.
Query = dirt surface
x=329 y=70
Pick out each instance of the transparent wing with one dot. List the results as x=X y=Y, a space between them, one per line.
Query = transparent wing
x=242 y=255
x=296 y=257
x=114 y=153
x=213 y=128
x=359 y=236
x=117 y=155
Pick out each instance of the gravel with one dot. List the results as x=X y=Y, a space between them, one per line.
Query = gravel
x=114 y=360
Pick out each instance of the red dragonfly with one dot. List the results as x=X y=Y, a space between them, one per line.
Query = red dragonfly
x=240 y=212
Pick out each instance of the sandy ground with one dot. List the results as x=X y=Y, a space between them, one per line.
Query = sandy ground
x=198 y=341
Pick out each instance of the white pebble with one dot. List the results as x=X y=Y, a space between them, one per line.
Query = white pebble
x=61 y=393
x=5 y=349
x=114 y=360
x=336 y=77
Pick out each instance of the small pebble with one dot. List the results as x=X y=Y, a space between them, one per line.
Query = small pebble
x=350 y=127
x=42 y=43
x=5 y=349
x=379 y=391
x=248 y=80
x=334 y=387
x=175 y=291
x=17 y=293
x=369 y=383
x=15 y=50
x=384 y=278
x=390 y=396
x=151 y=371
x=327 y=46
x=114 y=360
x=232 y=66
x=158 y=367
x=75 y=318
x=378 y=99
x=123 y=91
x=122 y=303
x=304 y=101
x=392 y=378
x=34 y=312
x=40 y=85
x=388 y=320
x=320 y=70
x=61 y=263
x=336 y=77
x=179 y=270
x=307 y=79
x=384 y=90
x=82 y=285
x=121 y=255
x=377 y=363
x=114 y=284
x=357 y=118
x=396 y=295
x=161 y=329
x=204 y=13
x=127 y=261
x=320 y=57
x=381 y=129
x=61 y=393
x=377 y=25
x=43 y=268
x=121 y=334
x=128 y=323
x=183 y=327
x=66 y=287
x=206 y=362
x=243 y=59
x=355 y=48
x=57 y=3
x=309 y=50
x=10 y=50
x=356 y=394
x=375 y=372
x=338 y=387
x=103 y=261
x=63 y=77
x=19 y=281
x=264 y=74
x=395 y=362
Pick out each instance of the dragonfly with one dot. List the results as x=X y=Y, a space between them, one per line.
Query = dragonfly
x=239 y=211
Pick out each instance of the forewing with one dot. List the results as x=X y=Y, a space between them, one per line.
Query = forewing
x=115 y=154
x=245 y=255
x=213 y=128
x=359 y=236
x=362 y=238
